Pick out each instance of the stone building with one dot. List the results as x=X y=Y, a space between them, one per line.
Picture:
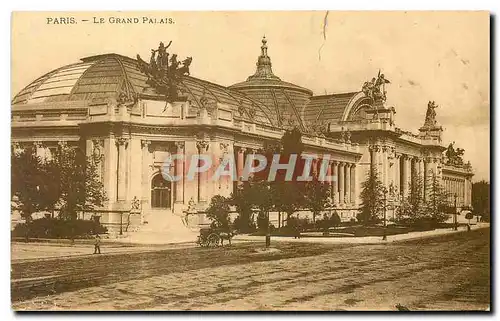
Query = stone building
x=119 y=108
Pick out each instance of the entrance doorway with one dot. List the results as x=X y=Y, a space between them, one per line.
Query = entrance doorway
x=161 y=192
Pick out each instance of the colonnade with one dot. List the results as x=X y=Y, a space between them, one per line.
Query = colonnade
x=343 y=182
x=460 y=188
x=399 y=170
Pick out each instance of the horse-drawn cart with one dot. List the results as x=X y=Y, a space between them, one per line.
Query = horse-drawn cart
x=210 y=237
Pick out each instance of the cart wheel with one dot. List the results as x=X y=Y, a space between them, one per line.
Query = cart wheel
x=213 y=240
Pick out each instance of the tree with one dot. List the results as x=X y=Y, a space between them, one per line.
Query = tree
x=262 y=198
x=436 y=201
x=79 y=187
x=218 y=212
x=481 y=199
x=316 y=196
x=242 y=199
x=290 y=195
x=412 y=210
x=372 y=199
x=31 y=184
x=281 y=194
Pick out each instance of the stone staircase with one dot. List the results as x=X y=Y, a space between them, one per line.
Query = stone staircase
x=162 y=227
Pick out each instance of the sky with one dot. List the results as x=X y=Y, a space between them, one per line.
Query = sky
x=440 y=56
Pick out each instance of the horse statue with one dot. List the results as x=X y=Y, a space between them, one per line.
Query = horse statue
x=184 y=70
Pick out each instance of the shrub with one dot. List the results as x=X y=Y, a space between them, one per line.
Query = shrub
x=244 y=223
x=329 y=221
x=301 y=224
x=59 y=228
x=218 y=212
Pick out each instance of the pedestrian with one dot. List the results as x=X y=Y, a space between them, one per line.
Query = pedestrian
x=97 y=244
x=296 y=231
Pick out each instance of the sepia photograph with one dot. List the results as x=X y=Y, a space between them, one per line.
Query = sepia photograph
x=250 y=161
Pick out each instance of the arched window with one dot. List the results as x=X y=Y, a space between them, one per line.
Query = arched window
x=161 y=195
x=359 y=113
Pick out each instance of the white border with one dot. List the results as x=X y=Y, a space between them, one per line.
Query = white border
x=93 y=5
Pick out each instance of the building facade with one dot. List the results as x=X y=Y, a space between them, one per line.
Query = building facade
x=134 y=117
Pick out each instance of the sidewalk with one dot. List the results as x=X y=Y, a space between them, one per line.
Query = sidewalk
x=35 y=251
x=365 y=239
x=45 y=250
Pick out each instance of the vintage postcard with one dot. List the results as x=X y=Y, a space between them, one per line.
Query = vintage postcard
x=241 y=161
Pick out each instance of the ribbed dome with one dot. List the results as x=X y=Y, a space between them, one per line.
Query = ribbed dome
x=286 y=99
x=105 y=77
x=96 y=78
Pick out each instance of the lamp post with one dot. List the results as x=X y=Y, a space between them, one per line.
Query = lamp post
x=455 y=227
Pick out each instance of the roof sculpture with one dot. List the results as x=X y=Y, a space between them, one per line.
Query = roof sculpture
x=164 y=74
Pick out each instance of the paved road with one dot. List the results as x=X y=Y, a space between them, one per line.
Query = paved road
x=449 y=272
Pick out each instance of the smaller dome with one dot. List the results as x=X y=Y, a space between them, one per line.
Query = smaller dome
x=286 y=100
x=264 y=76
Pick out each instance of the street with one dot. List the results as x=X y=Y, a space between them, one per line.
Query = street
x=449 y=272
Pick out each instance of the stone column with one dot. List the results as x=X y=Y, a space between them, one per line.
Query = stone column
x=371 y=148
x=341 y=183
x=224 y=181
x=414 y=167
x=420 y=171
x=426 y=177
x=134 y=177
x=203 y=176
x=347 y=183
x=391 y=165
x=413 y=170
x=373 y=156
x=469 y=192
x=396 y=175
x=146 y=162
x=385 y=165
x=462 y=191
x=335 y=183
x=213 y=187
x=378 y=164
x=179 y=172
x=251 y=151
x=328 y=174
x=421 y=168
x=405 y=175
x=95 y=151
x=110 y=168
x=409 y=167
x=354 y=186
x=314 y=168
x=240 y=162
x=190 y=183
x=122 y=144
